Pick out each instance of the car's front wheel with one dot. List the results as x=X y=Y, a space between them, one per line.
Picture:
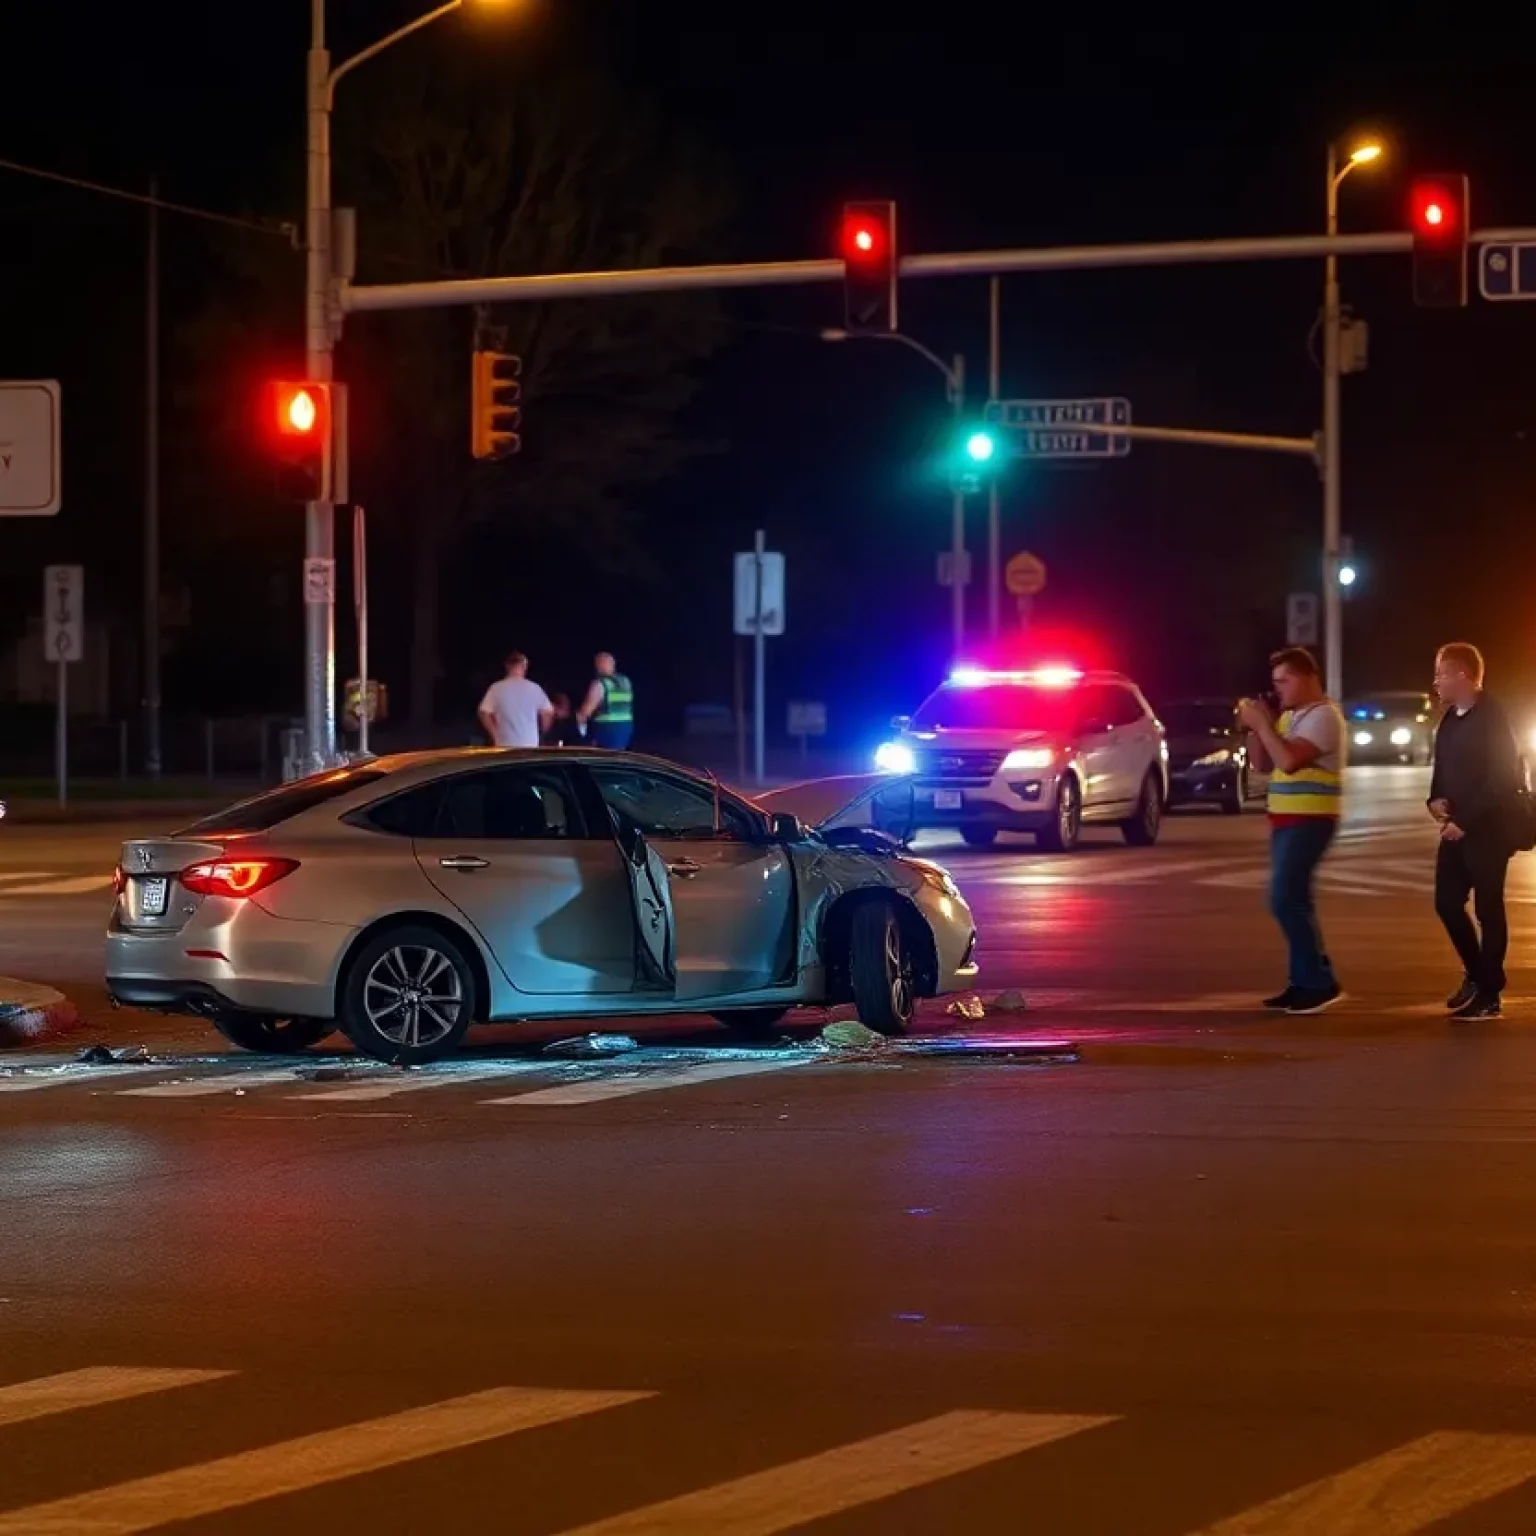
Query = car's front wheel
x=1061 y=834
x=881 y=969
x=271 y=1036
x=409 y=996
x=1146 y=821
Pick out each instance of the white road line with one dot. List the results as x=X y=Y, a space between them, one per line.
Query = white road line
x=76 y=885
x=6 y=876
x=199 y=1087
x=233 y=1482
x=788 y=1497
x=592 y=1090
x=90 y=1388
x=1405 y=1491
x=417 y=1082
x=75 y=1077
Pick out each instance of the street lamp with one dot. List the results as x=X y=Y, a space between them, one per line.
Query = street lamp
x=322 y=325
x=954 y=392
x=1333 y=626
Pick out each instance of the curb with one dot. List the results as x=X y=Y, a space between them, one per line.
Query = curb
x=31 y=1014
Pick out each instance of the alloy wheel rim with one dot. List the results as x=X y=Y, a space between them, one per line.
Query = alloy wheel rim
x=413 y=995
x=899 y=970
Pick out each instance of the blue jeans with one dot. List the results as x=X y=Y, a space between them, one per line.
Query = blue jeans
x=1295 y=852
x=611 y=735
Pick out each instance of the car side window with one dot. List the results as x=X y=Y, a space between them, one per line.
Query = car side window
x=1093 y=708
x=660 y=806
x=522 y=804
x=1124 y=707
x=413 y=814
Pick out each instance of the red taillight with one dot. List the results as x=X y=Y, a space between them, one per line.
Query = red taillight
x=119 y=880
x=235 y=877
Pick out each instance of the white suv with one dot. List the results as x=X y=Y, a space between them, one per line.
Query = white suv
x=1046 y=751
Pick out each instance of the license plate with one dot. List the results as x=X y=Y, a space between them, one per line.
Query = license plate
x=947 y=800
x=152 y=896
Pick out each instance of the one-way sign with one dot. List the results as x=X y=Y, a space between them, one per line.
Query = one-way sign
x=1054 y=429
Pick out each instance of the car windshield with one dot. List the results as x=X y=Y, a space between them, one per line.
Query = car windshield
x=263 y=812
x=996 y=707
x=1197 y=719
x=1388 y=706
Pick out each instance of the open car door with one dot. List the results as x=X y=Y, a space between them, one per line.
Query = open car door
x=651 y=893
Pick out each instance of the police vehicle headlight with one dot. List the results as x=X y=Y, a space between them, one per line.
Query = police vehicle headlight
x=1214 y=759
x=1401 y=736
x=1029 y=757
x=1363 y=738
x=895 y=757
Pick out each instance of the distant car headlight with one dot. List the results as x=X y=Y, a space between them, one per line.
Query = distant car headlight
x=1029 y=757
x=1363 y=738
x=895 y=757
x=1214 y=759
x=1401 y=736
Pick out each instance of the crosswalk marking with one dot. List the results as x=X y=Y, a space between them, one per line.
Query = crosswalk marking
x=90 y=1388
x=232 y=1482
x=786 y=1497
x=1403 y=1492
x=198 y=1087
x=593 y=1090
x=417 y=1082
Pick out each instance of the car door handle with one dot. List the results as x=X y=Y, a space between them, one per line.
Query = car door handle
x=684 y=869
x=465 y=861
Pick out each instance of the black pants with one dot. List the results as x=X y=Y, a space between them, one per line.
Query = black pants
x=1475 y=867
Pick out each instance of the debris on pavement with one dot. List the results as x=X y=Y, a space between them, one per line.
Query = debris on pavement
x=967 y=1008
x=1005 y=1048
x=105 y=1056
x=592 y=1047
x=1011 y=1001
x=850 y=1035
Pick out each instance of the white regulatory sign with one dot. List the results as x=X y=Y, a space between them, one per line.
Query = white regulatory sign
x=319 y=581
x=29 y=448
x=1301 y=618
x=64 y=613
x=808 y=717
x=746 y=593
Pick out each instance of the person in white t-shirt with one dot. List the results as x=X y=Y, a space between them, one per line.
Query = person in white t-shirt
x=516 y=712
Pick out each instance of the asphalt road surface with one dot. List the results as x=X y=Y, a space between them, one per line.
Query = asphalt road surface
x=1207 y=1272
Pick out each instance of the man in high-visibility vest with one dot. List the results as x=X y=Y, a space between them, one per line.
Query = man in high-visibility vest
x=608 y=711
x=1303 y=751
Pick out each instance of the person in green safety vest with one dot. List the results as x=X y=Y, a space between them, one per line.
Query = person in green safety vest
x=608 y=711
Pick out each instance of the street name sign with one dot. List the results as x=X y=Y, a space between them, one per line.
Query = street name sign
x=1060 y=429
x=1507 y=272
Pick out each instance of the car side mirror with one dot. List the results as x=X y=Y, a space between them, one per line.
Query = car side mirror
x=900 y=722
x=784 y=828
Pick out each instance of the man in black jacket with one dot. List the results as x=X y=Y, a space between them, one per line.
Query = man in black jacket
x=1475 y=796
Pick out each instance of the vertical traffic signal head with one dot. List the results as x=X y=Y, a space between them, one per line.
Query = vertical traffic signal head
x=1440 y=210
x=868 y=249
x=494 y=410
x=300 y=429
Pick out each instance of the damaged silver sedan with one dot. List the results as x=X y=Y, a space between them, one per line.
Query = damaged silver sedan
x=403 y=900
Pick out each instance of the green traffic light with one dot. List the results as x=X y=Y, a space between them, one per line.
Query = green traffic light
x=981 y=446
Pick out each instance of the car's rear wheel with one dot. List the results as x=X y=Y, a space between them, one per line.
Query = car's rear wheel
x=268 y=1035
x=1235 y=800
x=753 y=1023
x=409 y=996
x=979 y=837
x=1066 y=825
x=1142 y=826
x=881 y=969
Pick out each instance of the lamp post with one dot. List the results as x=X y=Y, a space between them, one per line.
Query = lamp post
x=322 y=326
x=954 y=393
x=1333 y=624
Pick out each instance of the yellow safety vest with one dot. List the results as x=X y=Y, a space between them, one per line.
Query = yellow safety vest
x=1310 y=791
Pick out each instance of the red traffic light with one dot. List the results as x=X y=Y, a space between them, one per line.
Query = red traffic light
x=300 y=438
x=1439 y=212
x=868 y=247
x=864 y=239
x=300 y=409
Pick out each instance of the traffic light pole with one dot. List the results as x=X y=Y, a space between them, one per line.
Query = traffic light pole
x=957 y=572
x=319 y=516
x=1333 y=608
x=994 y=516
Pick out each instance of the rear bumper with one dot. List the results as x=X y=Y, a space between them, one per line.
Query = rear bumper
x=1189 y=786
x=194 y=998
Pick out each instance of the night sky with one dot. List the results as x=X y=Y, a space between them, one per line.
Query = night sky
x=989 y=133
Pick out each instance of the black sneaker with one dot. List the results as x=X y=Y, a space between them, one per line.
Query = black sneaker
x=1304 y=1001
x=1281 y=1000
x=1484 y=1005
x=1461 y=996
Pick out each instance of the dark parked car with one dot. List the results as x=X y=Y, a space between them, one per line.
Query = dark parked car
x=1208 y=756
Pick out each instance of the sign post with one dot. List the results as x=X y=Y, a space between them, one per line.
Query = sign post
x=807 y=718
x=1301 y=618
x=1025 y=579
x=759 y=613
x=63 y=642
x=360 y=607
